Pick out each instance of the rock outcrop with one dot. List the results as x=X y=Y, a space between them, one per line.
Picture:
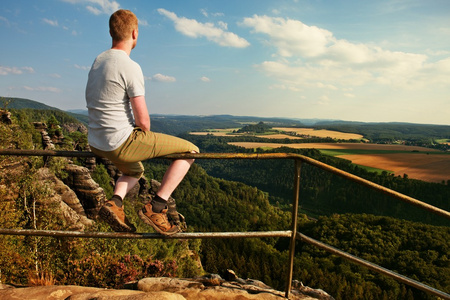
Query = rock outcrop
x=162 y=288
x=72 y=127
x=66 y=199
x=5 y=117
x=91 y=195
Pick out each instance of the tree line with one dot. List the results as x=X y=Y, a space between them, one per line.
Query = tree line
x=227 y=196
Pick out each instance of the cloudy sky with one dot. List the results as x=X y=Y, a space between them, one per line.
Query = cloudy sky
x=372 y=61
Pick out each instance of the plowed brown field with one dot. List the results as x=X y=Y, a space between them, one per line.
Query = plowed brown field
x=432 y=166
x=426 y=167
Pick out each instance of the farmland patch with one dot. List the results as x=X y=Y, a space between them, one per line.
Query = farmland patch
x=322 y=133
x=417 y=162
x=427 y=167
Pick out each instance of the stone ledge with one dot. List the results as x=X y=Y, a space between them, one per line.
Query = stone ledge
x=161 y=288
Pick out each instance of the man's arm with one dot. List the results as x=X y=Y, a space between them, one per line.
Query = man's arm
x=140 y=111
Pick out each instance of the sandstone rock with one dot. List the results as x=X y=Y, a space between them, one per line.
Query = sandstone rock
x=5 y=117
x=230 y=275
x=80 y=293
x=167 y=284
x=195 y=289
x=90 y=162
x=90 y=194
x=53 y=292
x=71 y=208
x=72 y=127
x=126 y=295
x=153 y=288
x=47 y=143
x=39 y=126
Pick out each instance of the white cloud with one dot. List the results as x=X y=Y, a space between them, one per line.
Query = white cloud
x=15 y=70
x=223 y=25
x=291 y=37
x=323 y=100
x=205 y=79
x=309 y=54
x=42 y=89
x=349 y=95
x=285 y=87
x=97 y=7
x=5 y=20
x=142 y=22
x=162 y=78
x=194 y=29
x=85 y=68
x=207 y=14
x=53 y=23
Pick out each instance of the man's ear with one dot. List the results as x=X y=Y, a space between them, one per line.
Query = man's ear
x=134 y=34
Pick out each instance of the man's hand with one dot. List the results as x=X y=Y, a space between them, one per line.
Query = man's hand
x=140 y=111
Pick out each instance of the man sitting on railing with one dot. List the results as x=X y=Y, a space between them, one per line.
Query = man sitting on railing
x=119 y=129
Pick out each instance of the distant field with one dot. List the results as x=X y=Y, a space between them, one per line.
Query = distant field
x=279 y=136
x=417 y=162
x=300 y=131
x=322 y=133
x=353 y=146
x=426 y=167
x=216 y=132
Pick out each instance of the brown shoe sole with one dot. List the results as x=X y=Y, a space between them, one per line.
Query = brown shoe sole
x=150 y=222
x=110 y=217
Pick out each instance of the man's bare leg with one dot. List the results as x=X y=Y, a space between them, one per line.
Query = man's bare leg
x=173 y=176
x=124 y=184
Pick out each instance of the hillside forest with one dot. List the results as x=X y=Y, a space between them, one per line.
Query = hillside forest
x=225 y=195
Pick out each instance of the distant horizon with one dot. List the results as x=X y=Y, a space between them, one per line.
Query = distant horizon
x=368 y=61
x=310 y=120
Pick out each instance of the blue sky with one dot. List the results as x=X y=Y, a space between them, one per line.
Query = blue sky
x=371 y=61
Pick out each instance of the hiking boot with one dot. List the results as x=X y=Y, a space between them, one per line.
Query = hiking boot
x=158 y=221
x=115 y=217
x=175 y=218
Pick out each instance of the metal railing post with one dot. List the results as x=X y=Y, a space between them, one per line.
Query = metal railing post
x=298 y=165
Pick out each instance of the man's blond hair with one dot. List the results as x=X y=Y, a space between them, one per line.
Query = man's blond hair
x=121 y=24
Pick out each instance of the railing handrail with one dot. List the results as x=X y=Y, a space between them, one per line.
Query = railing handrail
x=293 y=234
x=311 y=161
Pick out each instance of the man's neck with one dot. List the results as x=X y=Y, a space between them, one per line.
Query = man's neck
x=123 y=45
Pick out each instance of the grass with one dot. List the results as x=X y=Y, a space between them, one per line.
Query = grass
x=443 y=141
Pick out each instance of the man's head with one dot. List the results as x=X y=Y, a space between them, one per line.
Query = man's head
x=122 y=23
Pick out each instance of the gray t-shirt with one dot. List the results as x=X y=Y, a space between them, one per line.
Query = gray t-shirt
x=114 y=78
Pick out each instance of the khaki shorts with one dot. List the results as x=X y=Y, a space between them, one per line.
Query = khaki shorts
x=142 y=145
